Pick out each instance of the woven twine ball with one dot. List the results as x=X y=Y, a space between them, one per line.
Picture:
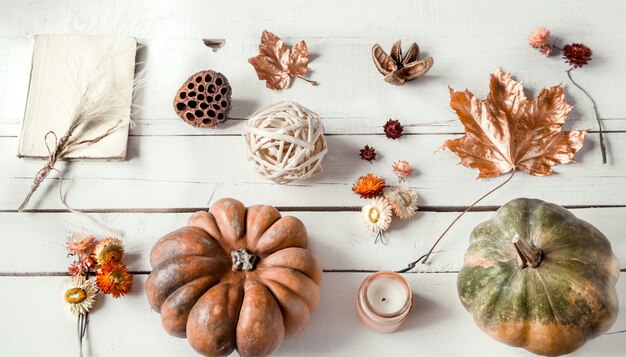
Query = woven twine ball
x=204 y=99
x=285 y=142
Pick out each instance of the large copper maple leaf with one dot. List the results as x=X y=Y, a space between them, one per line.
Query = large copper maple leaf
x=276 y=63
x=507 y=131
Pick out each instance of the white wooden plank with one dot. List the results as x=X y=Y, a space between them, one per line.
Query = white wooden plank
x=127 y=326
x=325 y=18
x=350 y=87
x=166 y=172
x=337 y=238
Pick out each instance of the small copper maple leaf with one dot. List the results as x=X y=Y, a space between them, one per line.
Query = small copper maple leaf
x=507 y=131
x=277 y=63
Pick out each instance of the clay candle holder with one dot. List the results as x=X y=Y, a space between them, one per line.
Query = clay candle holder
x=384 y=301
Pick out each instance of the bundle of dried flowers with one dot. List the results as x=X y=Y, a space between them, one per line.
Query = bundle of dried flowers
x=104 y=258
x=384 y=201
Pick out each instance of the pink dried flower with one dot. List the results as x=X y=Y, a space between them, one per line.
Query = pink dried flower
x=539 y=37
x=87 y=261
x=76 y=269
x=80 y=243
x=402 y=169
x=546 y=50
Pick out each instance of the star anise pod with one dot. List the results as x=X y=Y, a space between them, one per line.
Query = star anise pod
x=368 y=153
x=393 y=129
x=577 y=54
x=399 y=69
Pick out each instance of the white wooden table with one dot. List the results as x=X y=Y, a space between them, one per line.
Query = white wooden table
x=174 y=169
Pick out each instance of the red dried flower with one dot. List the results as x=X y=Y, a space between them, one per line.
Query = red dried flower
x=369 y=186
x=577 y=54
x=368 y=153
x=393 y=129
x=113 y=278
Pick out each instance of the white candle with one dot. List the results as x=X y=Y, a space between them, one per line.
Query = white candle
x=383 y=301
x=387 y=295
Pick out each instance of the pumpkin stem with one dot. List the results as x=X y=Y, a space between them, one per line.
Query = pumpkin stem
x=243 y=259
x=530 y=255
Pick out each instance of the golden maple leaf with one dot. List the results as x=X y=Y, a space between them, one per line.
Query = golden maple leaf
x=507 y=131
x=276 y=63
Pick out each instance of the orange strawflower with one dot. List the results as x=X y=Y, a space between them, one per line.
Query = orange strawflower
x=113 y=278
x=369 y=186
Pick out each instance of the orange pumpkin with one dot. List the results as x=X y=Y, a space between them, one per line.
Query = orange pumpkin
x=235 y=278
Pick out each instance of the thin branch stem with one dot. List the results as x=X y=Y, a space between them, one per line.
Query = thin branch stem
x=595 y=110
x=425 y=257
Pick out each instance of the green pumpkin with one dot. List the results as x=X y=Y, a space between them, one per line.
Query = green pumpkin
x=537 y=277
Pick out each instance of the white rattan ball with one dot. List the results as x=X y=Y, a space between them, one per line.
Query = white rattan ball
x=285 y=142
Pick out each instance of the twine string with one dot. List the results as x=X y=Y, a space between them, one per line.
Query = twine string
x=62 y=147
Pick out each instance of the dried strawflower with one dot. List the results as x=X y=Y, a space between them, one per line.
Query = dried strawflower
x=76 y=269
x=577 y=54
x=80 y=243
x=369 y=186
x=368 y=153
x=546 y=50
x=79 y=294
x=403 y=201
x=402 y=169
x=109 y=250
x=393 y=129
x=377 y=215
x=113 y=278
x=539 y=37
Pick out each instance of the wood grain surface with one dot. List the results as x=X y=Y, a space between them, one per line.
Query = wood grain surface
x=174 y=169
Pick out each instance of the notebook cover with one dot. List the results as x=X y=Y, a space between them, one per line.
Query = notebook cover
x=62 y=67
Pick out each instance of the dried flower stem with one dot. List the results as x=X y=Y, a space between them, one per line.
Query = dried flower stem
x=425 y=257
x=81 y=328
x=595 y=110
x=309 y=80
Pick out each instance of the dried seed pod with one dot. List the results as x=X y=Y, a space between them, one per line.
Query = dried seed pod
x=204 y=99
x=399 y=69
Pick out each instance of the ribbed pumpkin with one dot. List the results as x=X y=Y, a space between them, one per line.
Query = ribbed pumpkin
x=537 y=277
x=235 y=278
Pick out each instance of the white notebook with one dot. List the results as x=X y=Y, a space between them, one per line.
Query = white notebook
x=62 y=67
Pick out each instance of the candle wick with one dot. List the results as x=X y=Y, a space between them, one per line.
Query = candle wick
x=383 y=300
